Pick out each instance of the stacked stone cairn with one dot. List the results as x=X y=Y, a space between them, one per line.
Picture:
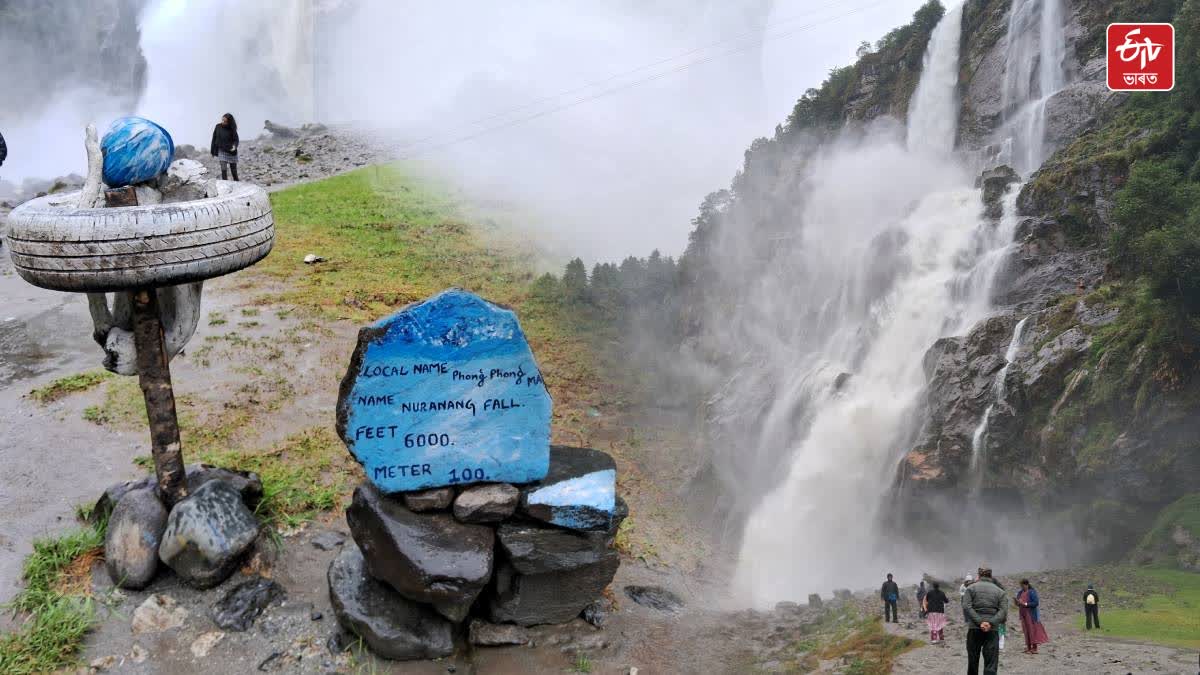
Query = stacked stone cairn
x=429 y=563
x=468 y=517
x=203 y=538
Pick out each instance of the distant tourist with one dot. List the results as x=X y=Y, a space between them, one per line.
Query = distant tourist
x=225 y=145
x=986 y=607
x=962 y=590
x=1002 y=627
x=921 y=599
x=1031 y=622
x=890 y=593
x=934 y=606
x=1091 y=606
x=3 y=150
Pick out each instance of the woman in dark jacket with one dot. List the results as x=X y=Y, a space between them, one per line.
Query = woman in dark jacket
x=225 y=144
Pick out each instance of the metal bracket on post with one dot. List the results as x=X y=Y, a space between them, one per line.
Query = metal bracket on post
x=154 y=376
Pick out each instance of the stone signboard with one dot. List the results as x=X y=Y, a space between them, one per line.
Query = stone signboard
x=444 y=392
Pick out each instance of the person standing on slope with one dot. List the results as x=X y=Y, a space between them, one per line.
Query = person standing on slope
x=985 y=606
x=1091 y=606
x=1031 y=622
x=934 y=604
x=3 y=150
x=921 y=591
x=225 y=145
x=890 y=593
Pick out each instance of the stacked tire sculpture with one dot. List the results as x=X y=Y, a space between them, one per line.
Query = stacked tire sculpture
x=57 y=246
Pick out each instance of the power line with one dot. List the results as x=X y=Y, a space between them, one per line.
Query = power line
x=629 y=85
x=626 y=73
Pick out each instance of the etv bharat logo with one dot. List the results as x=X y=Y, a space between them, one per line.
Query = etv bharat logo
x=1141 y=56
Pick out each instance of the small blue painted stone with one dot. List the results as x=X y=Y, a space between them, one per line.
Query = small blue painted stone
x=135 y=151
x=579 y=491
x=445 y=392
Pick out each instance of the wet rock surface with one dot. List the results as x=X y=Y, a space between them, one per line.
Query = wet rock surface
x=244 y=603
x=131 y=542
x=534 y=549
x=553 y=597
x=579 y=491
x=207 y=534
x=427 y=557
x=655 y=597
x=484 y=634
x=393 y=626
x=486 y=503
x=435 y=499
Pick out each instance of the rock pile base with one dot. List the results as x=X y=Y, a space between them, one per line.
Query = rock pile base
x=427 y=564
x=203 y=538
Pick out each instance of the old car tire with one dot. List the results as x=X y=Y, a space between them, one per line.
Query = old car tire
x=57 y=246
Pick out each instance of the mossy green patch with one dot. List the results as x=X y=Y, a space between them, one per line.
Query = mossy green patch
x=71 y=384
x=1170 y=615
x=55 y=616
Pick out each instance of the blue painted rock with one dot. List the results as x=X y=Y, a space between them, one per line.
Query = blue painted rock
x=445 y=392
x=579 y=491
x=135 y=151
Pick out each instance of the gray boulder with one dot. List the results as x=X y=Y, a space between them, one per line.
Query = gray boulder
x=391 y=625
x=486 y=503
x=554 y=597
x=207 y=534
x=247 y=483
x=814 y=601
x=534 y=549
x=484 y=634
x=426 y=557
x=435 y=499
x=655 y=597
x=135 y=531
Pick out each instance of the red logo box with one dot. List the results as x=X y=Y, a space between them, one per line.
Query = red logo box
x=1141 y=56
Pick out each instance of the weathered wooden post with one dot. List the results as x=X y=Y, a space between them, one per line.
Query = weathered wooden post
x=154 y=376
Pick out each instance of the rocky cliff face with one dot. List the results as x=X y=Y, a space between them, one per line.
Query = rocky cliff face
x=1093 y=425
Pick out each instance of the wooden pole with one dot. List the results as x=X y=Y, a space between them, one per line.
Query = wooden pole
x=154 y=375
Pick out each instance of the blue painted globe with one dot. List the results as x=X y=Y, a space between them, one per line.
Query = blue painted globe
x=135 y=150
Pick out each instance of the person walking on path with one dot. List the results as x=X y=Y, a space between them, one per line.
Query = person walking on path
x=934 y=606
x=986 y=607
x=1091 y=607
x=890 y=593
x=225 y=145
x=3 y=150
x=1031 y=622
x=921 y=599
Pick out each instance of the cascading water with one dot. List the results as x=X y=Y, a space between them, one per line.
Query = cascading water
x=1034 y=70
x=999 y=393
x=878 y=292
x=933 y=113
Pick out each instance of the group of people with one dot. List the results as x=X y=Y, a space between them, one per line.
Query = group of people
x=985 y=604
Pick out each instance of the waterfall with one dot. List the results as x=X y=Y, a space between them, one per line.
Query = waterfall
x=999 y=391
x=893 y=255
x=1034 y=70
x=933 y=110
x=254 y=59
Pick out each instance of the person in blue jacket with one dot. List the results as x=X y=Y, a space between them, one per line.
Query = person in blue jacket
x=890 y=593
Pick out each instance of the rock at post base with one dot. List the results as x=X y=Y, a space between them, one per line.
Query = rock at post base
x=426 y=557
x=433 y=499
x=135 y=531
x=486 y=503
x=484 y=634
x=245 y=482
x=207 y=533
x=579 y=491
x=244 y=603
x=444 y=392
x=391 y=625
x=555 y=597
